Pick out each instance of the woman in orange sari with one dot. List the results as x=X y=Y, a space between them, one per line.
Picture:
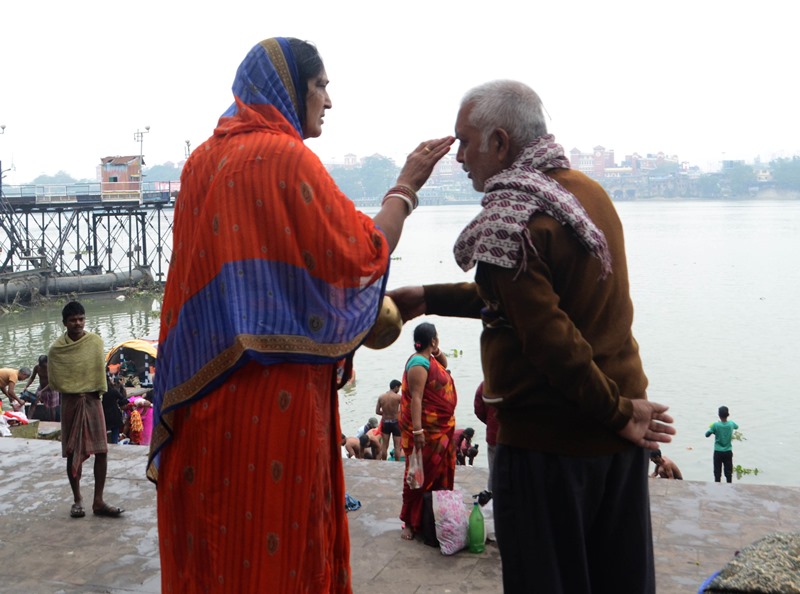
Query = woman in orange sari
x=275 y=276
x=427 y=420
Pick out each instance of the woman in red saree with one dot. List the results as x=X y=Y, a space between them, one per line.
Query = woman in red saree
x=275 y=276
x=427 y=419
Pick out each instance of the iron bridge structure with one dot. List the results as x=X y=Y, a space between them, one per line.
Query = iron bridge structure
x=80 y=239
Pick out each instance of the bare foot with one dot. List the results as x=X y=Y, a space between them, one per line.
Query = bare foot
x=407 y=534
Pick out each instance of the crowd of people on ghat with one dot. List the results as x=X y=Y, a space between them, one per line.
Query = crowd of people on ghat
x=127 y=407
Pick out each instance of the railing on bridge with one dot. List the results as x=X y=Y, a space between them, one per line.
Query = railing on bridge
x=59 y=238
x=92 y=193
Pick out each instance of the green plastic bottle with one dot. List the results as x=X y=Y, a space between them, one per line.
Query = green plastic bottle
x=476 y=534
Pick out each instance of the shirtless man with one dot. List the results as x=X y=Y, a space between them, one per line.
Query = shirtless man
x=665 y=468
x=44 y=394
x=352 y=446
x=388 y=407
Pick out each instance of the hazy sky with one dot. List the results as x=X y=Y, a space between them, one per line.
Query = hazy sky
x=704 y=80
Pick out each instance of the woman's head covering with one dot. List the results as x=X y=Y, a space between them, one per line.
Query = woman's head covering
x=269 y=76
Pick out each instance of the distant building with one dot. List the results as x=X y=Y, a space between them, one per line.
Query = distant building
x=732 y=163
x=121 y=177
x=350 y=161
x=593 y=164
x=652 y=162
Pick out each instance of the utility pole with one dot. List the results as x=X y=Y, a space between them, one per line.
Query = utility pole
x=138 y=136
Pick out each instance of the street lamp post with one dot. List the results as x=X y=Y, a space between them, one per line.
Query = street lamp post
x=188 y=150
x=138 y=136
x=3 y=131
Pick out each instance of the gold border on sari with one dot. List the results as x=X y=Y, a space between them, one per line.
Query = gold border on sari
x=275 y=53
x=225 y=361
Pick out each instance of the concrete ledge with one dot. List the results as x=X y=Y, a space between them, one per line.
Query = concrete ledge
x=29 y=431
x=50 y=430
x=697 y=528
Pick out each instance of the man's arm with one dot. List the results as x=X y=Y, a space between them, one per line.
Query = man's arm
x=454 y=300
x=9 y=391
x=379 y=407
x=31 y=378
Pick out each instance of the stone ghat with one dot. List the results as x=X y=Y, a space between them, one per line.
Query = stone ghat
x=697 y=528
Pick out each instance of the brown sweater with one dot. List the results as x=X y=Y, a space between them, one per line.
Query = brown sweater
x=556 y=349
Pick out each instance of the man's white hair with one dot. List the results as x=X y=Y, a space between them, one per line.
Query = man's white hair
x=507 y=104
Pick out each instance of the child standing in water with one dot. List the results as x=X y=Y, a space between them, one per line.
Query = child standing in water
x=722 y=431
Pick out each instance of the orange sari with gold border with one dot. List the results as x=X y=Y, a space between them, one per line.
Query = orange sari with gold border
x=275 y=276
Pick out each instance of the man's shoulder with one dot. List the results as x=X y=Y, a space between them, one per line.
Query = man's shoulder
x=576 y=181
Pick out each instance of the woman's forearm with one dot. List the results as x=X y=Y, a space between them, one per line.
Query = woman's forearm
x=390 y=219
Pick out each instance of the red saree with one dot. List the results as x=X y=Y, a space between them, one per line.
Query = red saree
x=275 y=277
x=439 y=455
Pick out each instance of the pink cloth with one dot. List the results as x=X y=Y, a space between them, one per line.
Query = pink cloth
x=146 y=412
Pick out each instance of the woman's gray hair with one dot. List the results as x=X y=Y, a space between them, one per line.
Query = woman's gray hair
x=507 y=104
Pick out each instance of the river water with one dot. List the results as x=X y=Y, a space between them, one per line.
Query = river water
x=715 y=286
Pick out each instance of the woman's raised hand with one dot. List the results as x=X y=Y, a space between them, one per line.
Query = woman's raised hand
x=420 y=162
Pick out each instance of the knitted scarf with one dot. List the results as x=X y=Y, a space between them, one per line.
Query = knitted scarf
x=499 y=233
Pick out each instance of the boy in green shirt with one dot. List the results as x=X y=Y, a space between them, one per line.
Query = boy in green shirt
x=723 y=452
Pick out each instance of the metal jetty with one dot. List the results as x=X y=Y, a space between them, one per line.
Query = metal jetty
x=80 y=238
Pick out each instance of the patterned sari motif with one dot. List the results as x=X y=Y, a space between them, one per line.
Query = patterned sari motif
x=438 y=455
x=275 y=276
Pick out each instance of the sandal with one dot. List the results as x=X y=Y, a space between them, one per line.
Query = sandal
x=108 y=512
x=76 y=511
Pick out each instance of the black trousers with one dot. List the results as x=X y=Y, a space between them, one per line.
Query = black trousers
x=723 y=459
x=573 y=525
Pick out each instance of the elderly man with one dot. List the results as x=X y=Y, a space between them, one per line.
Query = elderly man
x=8 y=380
x=559 y=360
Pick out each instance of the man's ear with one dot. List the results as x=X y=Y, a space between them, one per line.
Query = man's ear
x=502 y=143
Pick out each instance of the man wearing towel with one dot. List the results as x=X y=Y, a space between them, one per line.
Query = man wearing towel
x=77 y=370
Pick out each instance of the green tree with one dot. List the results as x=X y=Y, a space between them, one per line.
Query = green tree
x=740 y=179
x=165 y=172
x=348 y=180
x=371 y=179
x=62 y=177
x=378 y=174
x=707 y=186
x=786 y=173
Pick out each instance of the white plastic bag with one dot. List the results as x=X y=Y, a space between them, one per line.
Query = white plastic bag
x=5 y=430
x=488 y=520
x=416 y=476
x=452 y=519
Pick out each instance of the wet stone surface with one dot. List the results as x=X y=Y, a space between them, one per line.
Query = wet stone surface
x=697 y=528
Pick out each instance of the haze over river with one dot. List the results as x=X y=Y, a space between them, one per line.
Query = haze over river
x=715 y=285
